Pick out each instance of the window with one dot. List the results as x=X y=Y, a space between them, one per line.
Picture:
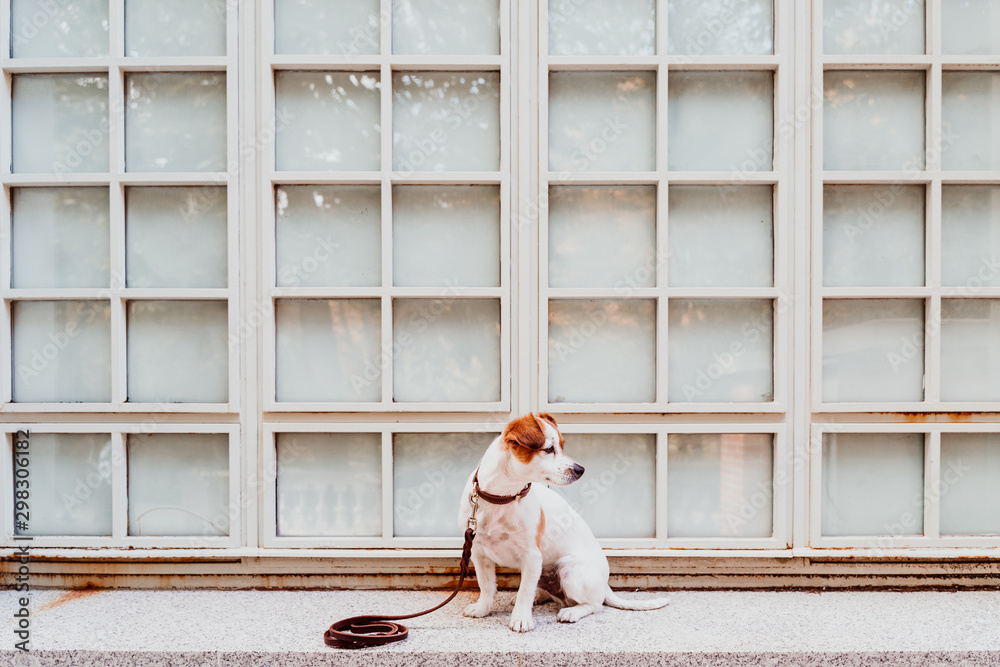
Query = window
x=275 y=276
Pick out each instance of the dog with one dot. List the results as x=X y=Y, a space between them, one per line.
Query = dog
x=521 y=523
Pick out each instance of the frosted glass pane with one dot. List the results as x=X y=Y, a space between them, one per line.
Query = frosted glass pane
x=329 y=484
x=602 y=236
x=446 y=349
x=873 y=484
x=336 y=121
x=329 y=350
x=446 y=236
x=178 y=351
x=719 y=485
x=60 y=237
x=720 y=236
x=175 y=27
x=617 y=494
x=445 y=121
x=970 y=235
x=326 y=27
x=328 y=235
x=860 y=27
x=70 y=484
x=720 y=350
x=970 y=483
x=60 y=123
x=873 y=120
x=59 y=29
x=970 y=120
x=62 y=351
x=873 y=350
x=429 y=471
x=720 y=121
x=720 y=27
x=598 y=28
x=873 y=235
x=176 y=237
x=176 y=122
x=446 y=27
x=602 y=351
x=602 y=121
x=970 y=27
x=178 y=484
x=970 y=350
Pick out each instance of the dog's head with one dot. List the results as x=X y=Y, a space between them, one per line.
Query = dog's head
x=536 y=451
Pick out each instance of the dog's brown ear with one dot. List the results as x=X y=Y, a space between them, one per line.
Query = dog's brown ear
x=525 y=432
x=549 y=418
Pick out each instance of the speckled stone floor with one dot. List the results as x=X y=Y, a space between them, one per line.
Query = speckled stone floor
x=284 y=628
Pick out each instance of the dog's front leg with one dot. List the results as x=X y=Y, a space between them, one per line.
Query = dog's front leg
x=486 y=575
x=531 y=570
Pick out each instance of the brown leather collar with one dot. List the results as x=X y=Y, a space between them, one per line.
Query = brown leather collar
x=497 y=500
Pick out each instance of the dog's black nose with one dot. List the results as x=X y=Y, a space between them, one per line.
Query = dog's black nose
x=578 y=470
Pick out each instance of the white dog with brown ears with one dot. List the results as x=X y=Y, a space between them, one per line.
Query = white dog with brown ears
x=533 y=529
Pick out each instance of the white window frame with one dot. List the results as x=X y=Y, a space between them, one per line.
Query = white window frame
x=120 y=537
x=386 y=63
x=797 y=417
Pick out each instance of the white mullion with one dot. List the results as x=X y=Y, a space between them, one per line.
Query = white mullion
x=816 y=184
x=386 y=298
x=243 y=243
x=6 y=348
x=932 y=485
x=119 y=486
x=661 y=259
x=799 y=241
x=541 y=221
x=932 y=349
x=526 y=192
x=661 y=486
x=236 y=483
x=932 y=28
x=387 y=487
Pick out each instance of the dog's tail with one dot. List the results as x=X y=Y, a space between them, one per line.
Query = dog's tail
x=612 y=600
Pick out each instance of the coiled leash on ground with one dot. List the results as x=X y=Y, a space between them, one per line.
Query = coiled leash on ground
x=362 y=631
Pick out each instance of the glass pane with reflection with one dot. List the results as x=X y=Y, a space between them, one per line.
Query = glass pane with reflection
x=446 y=27
x=329 y=484
x=720 y=484
x=598 y=28
x=970 y=350
x=970 y=236
x=175 y=27
x=602 y=236
x=602 y=121
x=336 y=124
x=620 y=473
x=59 y=29
x=429 y=472
x=873 y=350
x=873 y=120
x=602 y=351
x=868 y=27
x=445 y=121
x=873 y=484
x=329 y=350
x=327 y=27
x=970 y=483
x=970 y=120
x=720 y=27
x=178 y=484
x=70 y=484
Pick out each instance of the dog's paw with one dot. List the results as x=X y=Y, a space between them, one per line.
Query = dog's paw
x=573 y=614
x=477 y=610
x=521 y=623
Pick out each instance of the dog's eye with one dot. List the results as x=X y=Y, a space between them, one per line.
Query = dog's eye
x=549 y=450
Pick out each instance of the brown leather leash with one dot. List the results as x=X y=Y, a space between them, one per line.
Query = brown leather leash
x=363 y=631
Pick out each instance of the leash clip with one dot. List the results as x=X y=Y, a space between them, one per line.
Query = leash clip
x=474 y=499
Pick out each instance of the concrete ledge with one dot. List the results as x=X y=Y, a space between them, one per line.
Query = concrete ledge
x=284 y=628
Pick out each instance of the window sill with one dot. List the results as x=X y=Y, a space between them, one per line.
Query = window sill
x=268 y=628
